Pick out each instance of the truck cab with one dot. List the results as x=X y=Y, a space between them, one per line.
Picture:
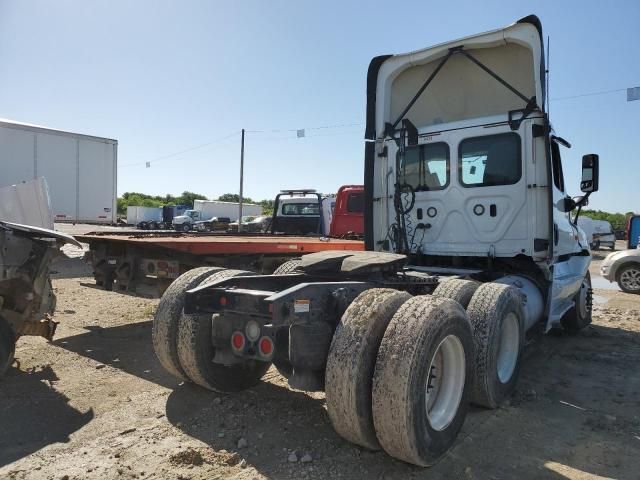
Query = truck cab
x=186 y=221
x=464 y=170
x=302 y=212
x=348 y=214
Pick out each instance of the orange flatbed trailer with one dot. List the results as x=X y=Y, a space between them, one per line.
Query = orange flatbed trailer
x=129 y=259
x=229 y=244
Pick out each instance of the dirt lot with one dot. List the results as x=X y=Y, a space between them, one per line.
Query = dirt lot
x=95 y=403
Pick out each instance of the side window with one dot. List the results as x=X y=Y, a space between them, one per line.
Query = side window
x=355 y=203
x=490 y=160
x=556 y=166
x=426 y=167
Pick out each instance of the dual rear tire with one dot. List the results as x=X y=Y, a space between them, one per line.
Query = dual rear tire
x=183 y=342
x=399 y=374
x=402 y=370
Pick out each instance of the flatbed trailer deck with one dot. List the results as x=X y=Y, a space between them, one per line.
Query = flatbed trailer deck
x=135 y=261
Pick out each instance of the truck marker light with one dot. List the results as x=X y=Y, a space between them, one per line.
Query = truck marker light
x=266 y=346
x=237 y=340
x=252 y=330
x=223 y=301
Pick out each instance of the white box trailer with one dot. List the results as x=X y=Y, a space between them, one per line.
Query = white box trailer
x=135 y=215
x=215 y=208
x=80 y=170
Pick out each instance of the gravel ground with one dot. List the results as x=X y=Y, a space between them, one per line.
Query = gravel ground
x=95 y=403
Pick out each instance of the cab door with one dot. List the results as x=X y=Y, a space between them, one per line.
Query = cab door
x=569 y=269
x=565 y=236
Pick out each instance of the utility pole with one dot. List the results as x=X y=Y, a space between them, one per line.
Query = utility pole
x=241 y=180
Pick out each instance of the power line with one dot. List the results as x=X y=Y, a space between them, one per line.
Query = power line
x=170 y=155
x=320 y=127
x=231 y=135
x=604 y=92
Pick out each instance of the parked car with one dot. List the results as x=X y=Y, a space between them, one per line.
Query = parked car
x=252 y=224
x=215 y=224
x=603 y=235
x=624 y=268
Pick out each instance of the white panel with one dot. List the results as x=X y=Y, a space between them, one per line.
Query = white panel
x=462 y=90
x=26 y=204
x=96 y=182
x=16 y=156
x=57 y=163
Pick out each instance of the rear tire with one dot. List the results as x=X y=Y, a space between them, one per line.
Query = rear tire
x=289 y=266
x=351 y=362
x=628 y=278
x=497 y=318
x=457 y=289
x=7 y=346
x=165 y=321
x=196 y=352
x=423 y=379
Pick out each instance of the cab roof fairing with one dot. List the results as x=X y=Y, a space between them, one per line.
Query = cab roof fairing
x=525 y=33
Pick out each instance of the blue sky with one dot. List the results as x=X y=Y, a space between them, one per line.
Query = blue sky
x=162 y=77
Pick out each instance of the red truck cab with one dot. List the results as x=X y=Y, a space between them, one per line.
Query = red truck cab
x=348 y=215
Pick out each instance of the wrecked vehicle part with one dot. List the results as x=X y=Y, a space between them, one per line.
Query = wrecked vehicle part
x=27 y=301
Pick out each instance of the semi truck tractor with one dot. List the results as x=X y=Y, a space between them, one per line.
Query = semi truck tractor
x=469 y=244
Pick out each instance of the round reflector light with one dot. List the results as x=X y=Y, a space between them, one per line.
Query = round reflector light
x=237 y=340
x=266 y=346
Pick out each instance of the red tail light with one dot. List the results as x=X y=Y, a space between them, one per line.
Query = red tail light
x=237 y=340
x=223 y=301
x=266 y=346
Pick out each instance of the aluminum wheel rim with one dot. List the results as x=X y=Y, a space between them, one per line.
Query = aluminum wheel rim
x=445 y=383
x=508 y=347
x=630 y=279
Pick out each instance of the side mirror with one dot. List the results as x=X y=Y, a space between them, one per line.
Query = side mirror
x=590 y=173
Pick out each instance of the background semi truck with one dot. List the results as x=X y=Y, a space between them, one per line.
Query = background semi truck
x=80 y=170
x=207 y=209
x=469 y=244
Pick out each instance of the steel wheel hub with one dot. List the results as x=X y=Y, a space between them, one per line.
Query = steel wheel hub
x=445 y=383
x=508 y=347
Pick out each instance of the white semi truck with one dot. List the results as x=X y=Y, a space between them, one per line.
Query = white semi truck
x=204 y=210
x=469 y=244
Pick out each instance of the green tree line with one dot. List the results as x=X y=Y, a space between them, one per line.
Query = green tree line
x=136 y=199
